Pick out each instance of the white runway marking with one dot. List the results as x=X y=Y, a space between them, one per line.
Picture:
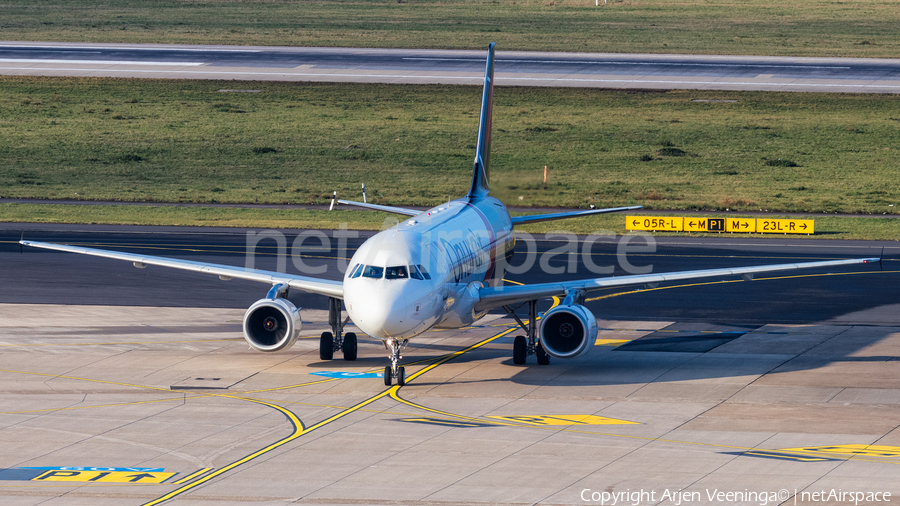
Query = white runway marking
x=576 y=62
x=132 y=48
x=101 y=62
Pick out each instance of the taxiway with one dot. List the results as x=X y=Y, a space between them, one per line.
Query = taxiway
x=110 y=398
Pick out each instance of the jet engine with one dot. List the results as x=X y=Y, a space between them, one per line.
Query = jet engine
x=568 y=331
x=271 y=324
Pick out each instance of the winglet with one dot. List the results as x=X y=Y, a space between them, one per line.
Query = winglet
x=480 y=174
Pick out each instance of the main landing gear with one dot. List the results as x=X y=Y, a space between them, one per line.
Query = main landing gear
x=524 y=346
x=394 y=370
x=336 y=340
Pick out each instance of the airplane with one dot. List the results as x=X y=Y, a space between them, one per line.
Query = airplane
x=439 y=268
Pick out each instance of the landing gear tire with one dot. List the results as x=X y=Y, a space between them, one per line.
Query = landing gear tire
x=542 y=357
x=349 y=346
x=401 y=376
x=387 y=376
x=520 y=350
x=326 y=346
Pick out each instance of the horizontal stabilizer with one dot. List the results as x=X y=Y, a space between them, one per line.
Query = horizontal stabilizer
x=534 y=218
x=387 y=209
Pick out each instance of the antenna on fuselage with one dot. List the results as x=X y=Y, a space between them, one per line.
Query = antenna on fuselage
x=481 y=172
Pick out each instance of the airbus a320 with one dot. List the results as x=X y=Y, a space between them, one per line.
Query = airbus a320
x=438 y=268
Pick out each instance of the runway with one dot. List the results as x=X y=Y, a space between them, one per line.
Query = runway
x=595 y=70
x=128 y=386
x=37 y=273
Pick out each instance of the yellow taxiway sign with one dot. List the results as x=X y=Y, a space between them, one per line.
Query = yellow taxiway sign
x=697 y=224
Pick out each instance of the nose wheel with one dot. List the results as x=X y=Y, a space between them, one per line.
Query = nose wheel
x=389 y=376
x=394 y=370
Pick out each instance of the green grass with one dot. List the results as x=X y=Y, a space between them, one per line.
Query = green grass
x=862 y=28
x=192 y=216
x=827 y=227
x=183 y=141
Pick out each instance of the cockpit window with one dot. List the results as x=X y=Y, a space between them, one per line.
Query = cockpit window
x=396 y=272
x=357 y=270
x=371 y=271
x=424 y=272
x=414 y=273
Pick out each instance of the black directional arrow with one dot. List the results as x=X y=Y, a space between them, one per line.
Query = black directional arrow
x=803 y=226
x=139 y=477
x=745 y=225
x=635 y=222
x=691 y=223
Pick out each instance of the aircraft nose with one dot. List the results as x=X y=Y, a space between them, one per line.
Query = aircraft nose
x=383 y=315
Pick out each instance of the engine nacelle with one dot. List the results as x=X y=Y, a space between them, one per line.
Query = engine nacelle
x=568 y=331
x=271 y=324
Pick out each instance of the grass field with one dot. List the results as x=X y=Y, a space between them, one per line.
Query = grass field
x=861 y=28
x=827 y=227
x=183 y=141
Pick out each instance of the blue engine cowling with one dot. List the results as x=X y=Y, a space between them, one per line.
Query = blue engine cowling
x=568 y=331
x=271 y=324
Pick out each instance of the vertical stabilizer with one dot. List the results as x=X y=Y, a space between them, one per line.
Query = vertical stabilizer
x=481 y=173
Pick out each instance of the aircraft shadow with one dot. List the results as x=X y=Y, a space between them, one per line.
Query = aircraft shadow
x=836 y=355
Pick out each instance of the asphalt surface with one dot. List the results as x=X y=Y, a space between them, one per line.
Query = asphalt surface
x=455 y=67
x=121 y=386
x=39 y=276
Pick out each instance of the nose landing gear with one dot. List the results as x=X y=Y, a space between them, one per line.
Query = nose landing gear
x=394 y=370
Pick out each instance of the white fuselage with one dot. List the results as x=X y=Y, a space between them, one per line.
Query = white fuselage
x=426 y=271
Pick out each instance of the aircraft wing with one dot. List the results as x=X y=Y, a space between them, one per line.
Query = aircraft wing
x=534 y=218
x=491 y=297
x=387 y=209
x=307 y=284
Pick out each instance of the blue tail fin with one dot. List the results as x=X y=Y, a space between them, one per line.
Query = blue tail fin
x=480 y=176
